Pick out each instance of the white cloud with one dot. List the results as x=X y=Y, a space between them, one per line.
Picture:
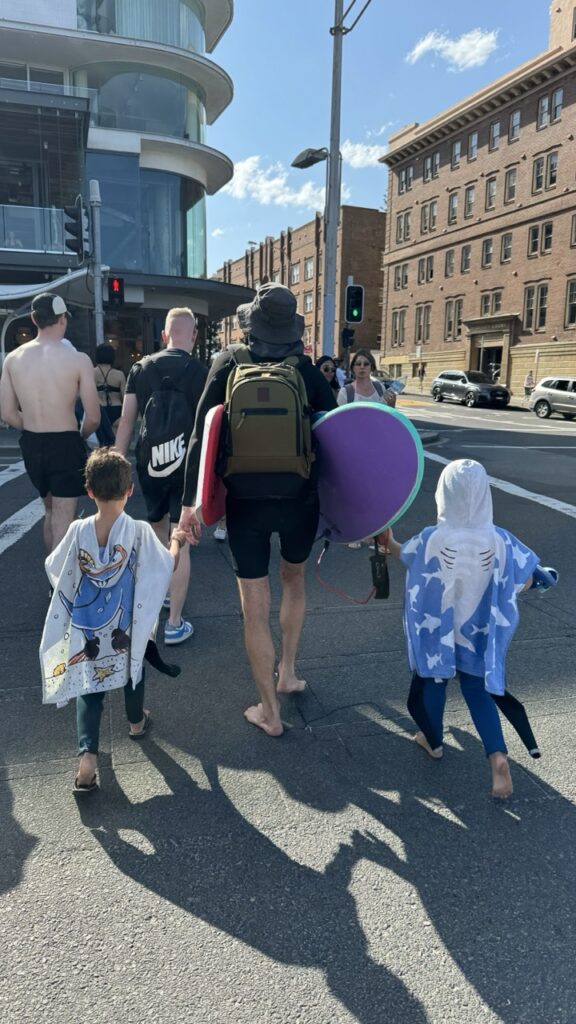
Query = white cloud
x=470 y=50
x=360 y=154
x=376 y=133
x=217 y=233
x=269 y=186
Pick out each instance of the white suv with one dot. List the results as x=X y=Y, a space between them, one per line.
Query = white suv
x=554 y=394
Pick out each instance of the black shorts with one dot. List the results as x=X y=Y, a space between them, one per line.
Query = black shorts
x=163 y=496
x=251 y=524
x=113 y=412
x=55 y=462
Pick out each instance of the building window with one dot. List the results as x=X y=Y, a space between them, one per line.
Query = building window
x=421 y=271
x=529 y=296
x=469 y=196
x=491 y=193
x=494 y=135
x=422 y=323
x=449 y=319
x=465 y=259
x=557 y=104
x=407 y=225
x=541 y=306
x=427 y=168
x=487 y=250
x=405 y=179
x=571 y=304
x=573 y=231
x=294 y=273
x=506 y=247
x=533 y=240
x=485 y=304
x=308 y=268
x=308 y=302
x=510 y=185
x=409 y=176
x=428 y=216
x=424 y=219
x=456 y=153
x=449 y=263
x=547 y=230
x=472 y=145
x=402 y=181
x=551 y=170
x=380 y=298
x=543 y=116
x=433 y=215
x=397 y=278
x=404 y=275
x=429 y=268
x=398 y=326
x=276 y=277
x=452 y=207
x=436 y=163
x=514 y=125
x=538 y=175
x=496 y=301
x=458 y=311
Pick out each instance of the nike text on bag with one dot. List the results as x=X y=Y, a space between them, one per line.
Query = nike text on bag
x=268 y=439
x=166 y=426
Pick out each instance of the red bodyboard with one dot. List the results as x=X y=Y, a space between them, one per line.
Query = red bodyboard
x=211 y=493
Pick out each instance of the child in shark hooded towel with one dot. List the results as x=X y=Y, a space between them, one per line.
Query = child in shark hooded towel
x=460 y=614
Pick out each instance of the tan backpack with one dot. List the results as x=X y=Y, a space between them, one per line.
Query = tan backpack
x=268 y=436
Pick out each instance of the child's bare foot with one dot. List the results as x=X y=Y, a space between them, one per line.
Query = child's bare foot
x=288 y=682
x=421 y=740
x=501 y=779
x=271 y=725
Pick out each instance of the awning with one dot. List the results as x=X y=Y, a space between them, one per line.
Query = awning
x=77 y=288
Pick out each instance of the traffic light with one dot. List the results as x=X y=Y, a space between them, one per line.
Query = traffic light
x=116 y=291
x=354 y=304
x=347 y=337
x=77 y=227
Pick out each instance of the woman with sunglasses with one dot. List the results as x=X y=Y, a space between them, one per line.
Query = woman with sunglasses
x=327 y=367
x=363 y=387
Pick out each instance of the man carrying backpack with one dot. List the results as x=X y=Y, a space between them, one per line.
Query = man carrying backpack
x=270 y=390
x=165 y=389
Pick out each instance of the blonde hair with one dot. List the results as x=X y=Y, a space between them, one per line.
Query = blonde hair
x=178 y=311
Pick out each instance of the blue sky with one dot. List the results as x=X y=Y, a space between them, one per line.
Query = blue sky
x=402 y=63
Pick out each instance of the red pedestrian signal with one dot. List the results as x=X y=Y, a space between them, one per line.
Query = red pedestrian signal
x=115 y=291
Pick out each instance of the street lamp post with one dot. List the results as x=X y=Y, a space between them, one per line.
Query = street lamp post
x=308 y=157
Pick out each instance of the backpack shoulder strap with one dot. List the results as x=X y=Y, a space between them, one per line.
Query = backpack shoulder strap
x=378 y=388
x=350 y=392
x=241 y=355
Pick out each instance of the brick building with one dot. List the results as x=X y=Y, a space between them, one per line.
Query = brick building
x=480 y=260
x=295 y=259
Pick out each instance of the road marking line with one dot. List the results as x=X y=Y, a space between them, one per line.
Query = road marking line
x=518 y=492
x=524 y=447
x=13 y=529
x=12 y=472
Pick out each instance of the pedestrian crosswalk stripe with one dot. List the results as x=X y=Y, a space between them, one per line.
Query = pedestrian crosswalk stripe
x=12 y=472
x=18 y=525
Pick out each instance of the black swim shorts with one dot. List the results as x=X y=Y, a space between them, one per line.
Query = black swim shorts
x=163 y=496
x=251 y=524
x=55 y=462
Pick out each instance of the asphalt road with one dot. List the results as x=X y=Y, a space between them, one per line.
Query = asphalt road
x=335 y=875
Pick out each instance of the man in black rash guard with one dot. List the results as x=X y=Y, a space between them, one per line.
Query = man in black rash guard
x=273 y=332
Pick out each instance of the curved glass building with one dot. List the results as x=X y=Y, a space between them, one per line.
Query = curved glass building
x=121 y=91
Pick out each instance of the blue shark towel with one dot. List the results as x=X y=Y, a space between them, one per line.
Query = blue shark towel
x=463 y=578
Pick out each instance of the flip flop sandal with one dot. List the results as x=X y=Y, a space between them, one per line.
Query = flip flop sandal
x=85 y=787
x=145 y=728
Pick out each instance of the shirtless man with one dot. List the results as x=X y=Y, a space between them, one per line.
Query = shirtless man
x=40 y=384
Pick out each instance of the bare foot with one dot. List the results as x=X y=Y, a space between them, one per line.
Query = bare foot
x=421 y=740
x=501 y=779
x=255 y=715
x=86 y=769
x=289 y=683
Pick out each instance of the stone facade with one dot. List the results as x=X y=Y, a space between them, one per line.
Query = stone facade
x=487 y=196
x=295 y=259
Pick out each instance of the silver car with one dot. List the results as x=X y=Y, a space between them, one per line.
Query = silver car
x=554 y=394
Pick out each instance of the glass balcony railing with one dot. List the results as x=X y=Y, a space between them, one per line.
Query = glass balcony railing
x=53 y=88
x=32 y=229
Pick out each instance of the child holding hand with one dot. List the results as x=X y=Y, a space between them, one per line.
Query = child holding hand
x=109 y=574
x=460 y=613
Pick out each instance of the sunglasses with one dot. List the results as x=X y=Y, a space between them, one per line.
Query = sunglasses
x=328 y=369
x=358 y=363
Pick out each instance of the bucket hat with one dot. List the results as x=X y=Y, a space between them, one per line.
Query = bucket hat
x=271 y=316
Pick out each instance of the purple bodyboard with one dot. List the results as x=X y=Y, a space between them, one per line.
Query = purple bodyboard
x=370 y=463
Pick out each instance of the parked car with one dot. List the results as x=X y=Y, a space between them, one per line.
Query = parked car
x=554 y=394
x=472 y=387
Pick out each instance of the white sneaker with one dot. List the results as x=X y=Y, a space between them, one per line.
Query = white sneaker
x=178 y=634
x=219 y=533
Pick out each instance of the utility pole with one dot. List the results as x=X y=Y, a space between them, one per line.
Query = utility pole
x=95 y=205
x=332 y=207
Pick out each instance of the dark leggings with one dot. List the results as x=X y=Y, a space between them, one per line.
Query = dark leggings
x=89 y=713
x=426 y=705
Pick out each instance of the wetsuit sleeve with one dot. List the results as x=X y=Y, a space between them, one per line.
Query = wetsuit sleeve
x=214 y=394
